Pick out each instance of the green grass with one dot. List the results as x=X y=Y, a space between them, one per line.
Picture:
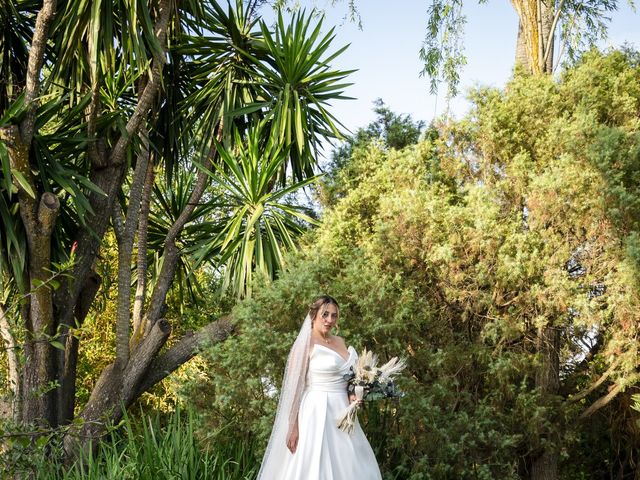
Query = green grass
x=147 y=449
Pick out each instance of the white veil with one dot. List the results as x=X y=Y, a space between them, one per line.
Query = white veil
x=293 y=385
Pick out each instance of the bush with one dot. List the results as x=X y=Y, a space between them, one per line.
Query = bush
x=461 y=253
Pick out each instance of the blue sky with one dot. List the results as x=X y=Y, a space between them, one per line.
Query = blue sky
x=385 y=52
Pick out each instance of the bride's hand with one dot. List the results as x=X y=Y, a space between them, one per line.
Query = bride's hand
x=292 y=440
x=353 y=398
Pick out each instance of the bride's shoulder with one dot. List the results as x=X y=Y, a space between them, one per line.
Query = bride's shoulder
x=340 y=340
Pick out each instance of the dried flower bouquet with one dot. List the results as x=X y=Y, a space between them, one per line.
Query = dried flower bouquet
x=369 y=382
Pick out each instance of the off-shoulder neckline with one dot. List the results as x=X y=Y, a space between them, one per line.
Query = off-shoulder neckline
x=349 y=350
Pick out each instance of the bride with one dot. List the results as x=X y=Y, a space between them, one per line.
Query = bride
x=305 y=443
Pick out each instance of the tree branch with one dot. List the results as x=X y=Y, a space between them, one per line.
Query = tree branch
x=556 y=18
x=36 y=59
x=151 y=88
x=171 y=253
x=540 y=45
x=68 y=360
x=579 y=396
x=141 y=262
x=117 y=222
x=114 y=391
x=15 y=384
x=95 y=154
x=110 y=178
x=185 y=349
x=138 y=367
x=47 y=213
x=602 y=401
x=125 y=252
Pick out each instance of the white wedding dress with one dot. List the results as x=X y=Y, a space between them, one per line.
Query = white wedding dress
x=325 y=452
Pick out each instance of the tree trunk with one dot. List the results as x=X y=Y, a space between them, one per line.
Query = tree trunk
x=39 y=375
x=536 y=27
x=107 y=173
x=545 y=466
x=67 y=367
x=522 y=57
x=115 y=391
x=15 y=385
x=38 y=214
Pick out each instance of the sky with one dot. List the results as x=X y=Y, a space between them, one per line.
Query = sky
x=385 y=53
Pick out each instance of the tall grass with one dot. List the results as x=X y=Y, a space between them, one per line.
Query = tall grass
x=145 y=449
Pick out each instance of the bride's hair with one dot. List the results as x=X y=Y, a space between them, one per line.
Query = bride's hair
x=320 y=302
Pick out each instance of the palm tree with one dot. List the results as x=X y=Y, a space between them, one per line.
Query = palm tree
x=175 y=124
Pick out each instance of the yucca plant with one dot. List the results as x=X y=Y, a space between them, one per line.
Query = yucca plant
x=141 y=118
x=300 y=84
x=256 y=219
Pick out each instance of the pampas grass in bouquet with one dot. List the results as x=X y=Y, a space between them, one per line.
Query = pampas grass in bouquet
x=369 y=382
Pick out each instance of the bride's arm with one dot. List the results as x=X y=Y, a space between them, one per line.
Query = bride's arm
x=292 y=439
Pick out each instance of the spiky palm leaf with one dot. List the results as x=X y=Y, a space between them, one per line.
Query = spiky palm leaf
x=224 y=67
x=255 y=220
x=299 y=84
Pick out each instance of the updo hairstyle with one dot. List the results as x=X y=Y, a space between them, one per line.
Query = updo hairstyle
x=320 y=302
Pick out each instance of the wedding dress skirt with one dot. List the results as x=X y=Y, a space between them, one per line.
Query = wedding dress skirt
x=324 y=451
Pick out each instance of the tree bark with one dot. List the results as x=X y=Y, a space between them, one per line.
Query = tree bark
x=36 y=58
x=185 y=349
x=15 y=385
x=125 y=252
x=171 y=254
x=107 y=173
x=536 y=27
x=602 y=401
x=545 y=466
x=109 y=398
x=547 y=35
x=39 y=375
x=585 y=393
x=522 y=58
x=115 y=392
x=68 y=366
x=141 y=260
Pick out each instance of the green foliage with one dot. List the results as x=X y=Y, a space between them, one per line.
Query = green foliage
x=389 y=129
x=442 y=51
x=456 y=253
x=256 y=222
x=149 y=448
x=580 y=26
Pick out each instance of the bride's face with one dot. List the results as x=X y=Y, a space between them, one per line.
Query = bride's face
x=326 y=319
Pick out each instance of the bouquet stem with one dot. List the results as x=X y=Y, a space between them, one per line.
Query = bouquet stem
x=347 y=420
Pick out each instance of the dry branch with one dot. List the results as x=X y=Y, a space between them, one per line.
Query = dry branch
x=579 y=396
x=602 y=401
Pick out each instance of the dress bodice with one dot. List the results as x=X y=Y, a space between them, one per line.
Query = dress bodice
x=327 y=369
